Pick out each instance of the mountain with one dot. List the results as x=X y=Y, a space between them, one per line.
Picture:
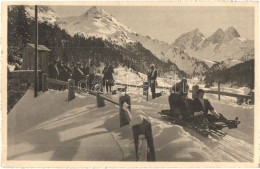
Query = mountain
x=220 y=46
x=99 y=23
x=191 y=40
x=192 y=52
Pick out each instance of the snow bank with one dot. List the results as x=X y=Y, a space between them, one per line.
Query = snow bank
x=51 y=128
x=173 y=143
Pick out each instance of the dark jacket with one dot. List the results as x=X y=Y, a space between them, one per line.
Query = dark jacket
x=186 y=107
x=77 y=75
x=108 y=75
x=53 y=71
x=64 y=74
x=197 y=106
x=86 y=70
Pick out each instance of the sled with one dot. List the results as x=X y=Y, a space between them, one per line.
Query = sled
x=213 y=129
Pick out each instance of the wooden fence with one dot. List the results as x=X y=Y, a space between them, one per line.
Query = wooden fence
x=217 y=92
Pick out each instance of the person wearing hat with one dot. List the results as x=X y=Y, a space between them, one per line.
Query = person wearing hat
x=152 y=76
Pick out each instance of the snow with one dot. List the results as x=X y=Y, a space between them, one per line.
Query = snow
x=210 y=61
x=127 y=76
x=99 y=24
x=48 y=16
x=55 y=129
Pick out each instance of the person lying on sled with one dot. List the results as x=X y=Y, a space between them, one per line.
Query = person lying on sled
x=202 y=106
x=185 y=107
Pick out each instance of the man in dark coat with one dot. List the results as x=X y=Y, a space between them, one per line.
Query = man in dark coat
x=108 y=79
x=85 y=69
x=63 y=76
x=79 y=75
x=152 y=76
x=53 y=70
x=185 y=106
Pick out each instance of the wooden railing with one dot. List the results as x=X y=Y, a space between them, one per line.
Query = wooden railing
x=217 y=92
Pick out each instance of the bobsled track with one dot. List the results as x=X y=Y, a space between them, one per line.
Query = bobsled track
x=234 y=149
x=237 y=144
x=78 y=130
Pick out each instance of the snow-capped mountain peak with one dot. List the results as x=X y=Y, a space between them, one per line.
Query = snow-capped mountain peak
x=220 y=46
x=231 y=33
x=94 y=11
x=190 y=40
x=97 y=22
x=45 y=14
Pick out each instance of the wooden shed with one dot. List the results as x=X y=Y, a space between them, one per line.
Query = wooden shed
x=29 y=55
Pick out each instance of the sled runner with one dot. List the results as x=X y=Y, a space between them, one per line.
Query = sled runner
x=204 y=128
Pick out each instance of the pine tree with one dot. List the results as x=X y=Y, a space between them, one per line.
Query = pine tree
x=18 y=33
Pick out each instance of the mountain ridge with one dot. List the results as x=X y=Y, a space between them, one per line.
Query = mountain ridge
x=189 y=51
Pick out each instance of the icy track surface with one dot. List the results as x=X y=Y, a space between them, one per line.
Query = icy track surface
x=51 y=128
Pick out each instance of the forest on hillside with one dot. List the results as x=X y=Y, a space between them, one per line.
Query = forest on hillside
x=239 y=75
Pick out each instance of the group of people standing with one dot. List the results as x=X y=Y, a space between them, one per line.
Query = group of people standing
x=82 y=72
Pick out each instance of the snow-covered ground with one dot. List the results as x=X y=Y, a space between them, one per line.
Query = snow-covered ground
x=51 y=128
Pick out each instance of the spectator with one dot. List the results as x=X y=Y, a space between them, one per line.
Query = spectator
x=108 y=79
x=152 y=76
x=53 y=70
x=92 y=72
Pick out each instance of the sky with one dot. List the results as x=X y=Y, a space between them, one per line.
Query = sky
x=166 y=23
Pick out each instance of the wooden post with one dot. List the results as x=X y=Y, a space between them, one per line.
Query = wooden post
x=146 y=89
x=100 y=100
x=44 y=82
x=219 y=90
x=123 y=116
x=145 y=128
x=71 y=91
x=36 y=54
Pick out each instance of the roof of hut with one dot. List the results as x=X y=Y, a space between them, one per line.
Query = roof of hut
x=40 y=47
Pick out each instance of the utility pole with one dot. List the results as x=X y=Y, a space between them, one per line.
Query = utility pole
x=36 y=53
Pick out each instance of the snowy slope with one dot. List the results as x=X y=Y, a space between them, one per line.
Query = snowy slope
x=99 y=23
x=65 y=130
x=55 y=129
x=45 y=14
